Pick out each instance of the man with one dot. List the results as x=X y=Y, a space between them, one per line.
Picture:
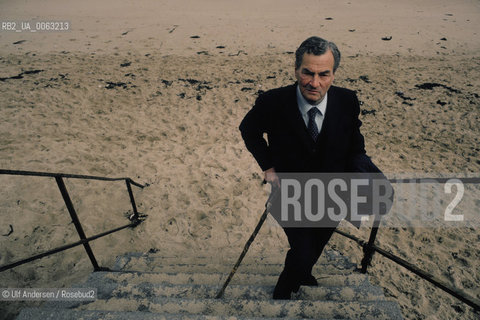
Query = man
x=311 y=126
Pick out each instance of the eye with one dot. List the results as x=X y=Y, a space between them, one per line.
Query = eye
x=307 y=72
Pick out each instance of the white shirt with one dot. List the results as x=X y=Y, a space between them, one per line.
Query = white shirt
x=304 y=107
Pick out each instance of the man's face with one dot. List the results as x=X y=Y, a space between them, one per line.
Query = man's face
x=315 y=76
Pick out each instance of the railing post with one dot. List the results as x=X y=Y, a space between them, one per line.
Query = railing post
x=368 y=247
x=76 y=221
x=134 y=217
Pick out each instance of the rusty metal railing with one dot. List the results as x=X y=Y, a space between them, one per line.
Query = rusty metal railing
x=135 y=218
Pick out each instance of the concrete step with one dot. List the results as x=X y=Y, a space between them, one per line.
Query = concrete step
x=112 y=288
x=267 y=269
x=151 y=286
x=69 y=314
x=145 y=261
x=133 y=278
x=251 y=308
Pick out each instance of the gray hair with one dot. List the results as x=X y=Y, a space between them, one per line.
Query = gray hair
x=317 y=46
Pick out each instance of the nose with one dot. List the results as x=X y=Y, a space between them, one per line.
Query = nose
x=315 y=81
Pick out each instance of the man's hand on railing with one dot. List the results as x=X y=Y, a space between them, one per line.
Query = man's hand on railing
x=270 y=176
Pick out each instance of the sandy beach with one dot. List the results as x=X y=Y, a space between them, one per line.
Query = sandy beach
x=155 y=91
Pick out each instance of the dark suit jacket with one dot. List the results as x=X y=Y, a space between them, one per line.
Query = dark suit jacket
x=339 y=148
x=289 y=147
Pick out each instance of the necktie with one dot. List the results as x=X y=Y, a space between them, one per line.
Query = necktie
x=312 y=125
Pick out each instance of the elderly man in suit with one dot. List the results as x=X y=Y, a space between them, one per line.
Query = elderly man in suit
x=311 y=126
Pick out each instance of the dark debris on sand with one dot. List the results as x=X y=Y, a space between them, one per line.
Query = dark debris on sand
x=366 y=112
x=431 y=85
x=405 y=98
x=20 y=75
x=111 y=85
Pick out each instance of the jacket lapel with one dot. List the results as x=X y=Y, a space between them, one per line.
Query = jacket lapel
x=330 y=121
x=294 y=117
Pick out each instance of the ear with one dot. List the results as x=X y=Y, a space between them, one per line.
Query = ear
x=297 y=73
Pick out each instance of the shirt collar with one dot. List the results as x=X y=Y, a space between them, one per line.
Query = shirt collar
x=304 y=106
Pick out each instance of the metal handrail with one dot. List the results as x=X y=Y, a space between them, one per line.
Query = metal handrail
x=421 y=273
x=369 y=248
x=135 y=218
x=65 y=175
x=66 y=247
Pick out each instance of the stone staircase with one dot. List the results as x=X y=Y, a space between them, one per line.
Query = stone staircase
x=150 y=286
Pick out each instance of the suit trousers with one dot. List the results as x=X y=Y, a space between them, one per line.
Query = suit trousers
x=306 y=246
